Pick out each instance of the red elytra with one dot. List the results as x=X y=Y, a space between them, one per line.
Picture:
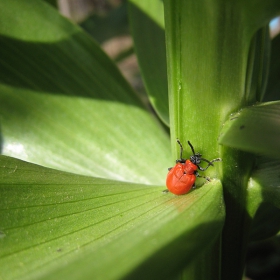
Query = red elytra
x=181 y=178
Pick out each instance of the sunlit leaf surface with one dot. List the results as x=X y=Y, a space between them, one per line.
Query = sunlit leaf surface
x=147 y=26
x=254 y=129
x=65 y=105
x=57 y=225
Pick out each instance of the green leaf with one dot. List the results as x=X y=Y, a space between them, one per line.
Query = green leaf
x=57 y=225
x=263 y=198
x=266 y=223
x=65 y=105
x=257 y=69
x=50 y=27
x=273 y=84
x=153 y=9
x=255 y=129
x=147 y=26
x=265 y=182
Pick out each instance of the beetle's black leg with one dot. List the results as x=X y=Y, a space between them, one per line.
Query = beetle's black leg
x=198 y=175
x=208 y=179
x=216 y=159
x=209 y=163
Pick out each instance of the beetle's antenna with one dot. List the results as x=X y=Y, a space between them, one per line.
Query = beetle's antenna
x=191 y=147
x=181 y=148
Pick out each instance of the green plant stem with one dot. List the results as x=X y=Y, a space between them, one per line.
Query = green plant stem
x=238 y=221
x=206 y=265
x=207 y=58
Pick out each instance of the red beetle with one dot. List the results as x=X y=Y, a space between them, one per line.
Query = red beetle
x=181 y=178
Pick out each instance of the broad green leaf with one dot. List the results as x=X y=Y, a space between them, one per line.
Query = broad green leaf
x=65 y=105
x=57 y=225
x=147 y=26
x=43 y=24
x=254 y=129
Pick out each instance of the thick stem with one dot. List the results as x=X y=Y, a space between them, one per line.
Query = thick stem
x=238 y=222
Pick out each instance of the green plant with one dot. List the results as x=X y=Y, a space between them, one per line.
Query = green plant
x=84 y=161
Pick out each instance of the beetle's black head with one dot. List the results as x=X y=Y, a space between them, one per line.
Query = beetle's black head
x=196 y=158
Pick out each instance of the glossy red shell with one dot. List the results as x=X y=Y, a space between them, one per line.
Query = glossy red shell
x=181 y=177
